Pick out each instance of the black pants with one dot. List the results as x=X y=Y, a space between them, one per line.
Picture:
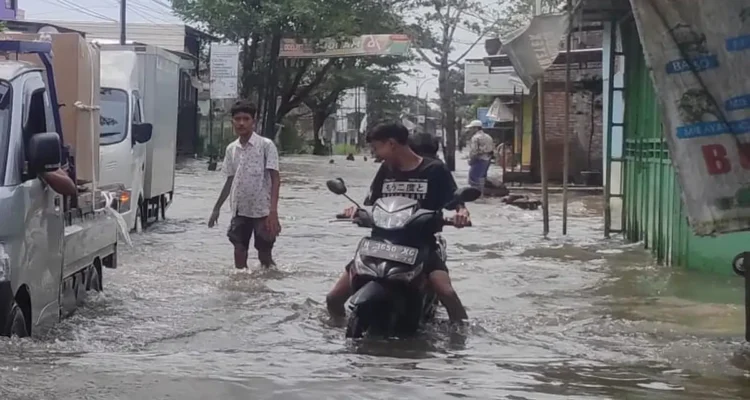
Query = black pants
x=241 y=230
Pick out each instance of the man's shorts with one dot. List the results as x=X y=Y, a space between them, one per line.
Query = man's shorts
x=241 y=230
x=433 y=263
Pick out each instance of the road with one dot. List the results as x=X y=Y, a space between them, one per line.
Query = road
x=575 y=317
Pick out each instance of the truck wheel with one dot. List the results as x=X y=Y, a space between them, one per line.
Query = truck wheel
x=95 y=279
x=163 y=205
x=16 y=322
x=143 y=213
x=138 y=226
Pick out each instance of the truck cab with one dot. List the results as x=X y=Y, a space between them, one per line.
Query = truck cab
x=52 y=248
x=123 y=135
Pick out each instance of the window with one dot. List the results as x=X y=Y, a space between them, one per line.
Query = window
x=36 y=116
x=6 y=97
x=113 y=116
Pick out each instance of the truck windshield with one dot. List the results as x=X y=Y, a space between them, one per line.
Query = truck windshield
x=5 y=112
x=113 y=117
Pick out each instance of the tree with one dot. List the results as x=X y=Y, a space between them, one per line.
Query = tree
x=384 y=102
x=347 y=74
x=258 y=26
x=516 y=13
x=435 y=32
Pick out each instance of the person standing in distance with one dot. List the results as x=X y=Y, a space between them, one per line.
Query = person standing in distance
x=481 y=147
x=251 y=165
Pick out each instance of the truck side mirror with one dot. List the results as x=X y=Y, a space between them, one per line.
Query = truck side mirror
x=44 y=152
x=142 y=132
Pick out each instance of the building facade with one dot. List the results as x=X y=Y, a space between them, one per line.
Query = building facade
x=642 y=194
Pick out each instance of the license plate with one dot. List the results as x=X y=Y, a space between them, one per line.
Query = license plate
x=387 y=251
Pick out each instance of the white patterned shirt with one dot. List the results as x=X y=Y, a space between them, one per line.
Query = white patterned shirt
x=251 y=165
x=481 y=146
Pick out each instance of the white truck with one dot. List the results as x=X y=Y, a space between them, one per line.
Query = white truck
x=140 y=85
x=53 y=248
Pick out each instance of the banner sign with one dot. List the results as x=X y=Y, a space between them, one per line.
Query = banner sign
x=699 y=57
x=534 y=48
x=224 y=71
x=501 y=81
x=360 y=46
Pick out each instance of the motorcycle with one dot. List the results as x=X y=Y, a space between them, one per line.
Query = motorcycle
x=391 y=295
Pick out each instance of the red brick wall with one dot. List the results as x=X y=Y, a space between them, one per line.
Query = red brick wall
x=580 y=123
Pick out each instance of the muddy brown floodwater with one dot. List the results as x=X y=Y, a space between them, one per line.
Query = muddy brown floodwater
x=576 y=317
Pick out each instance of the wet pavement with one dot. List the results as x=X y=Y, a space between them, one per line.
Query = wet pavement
x=576 y=317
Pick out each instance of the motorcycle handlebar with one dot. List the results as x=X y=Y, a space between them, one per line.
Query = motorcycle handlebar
x=446 y=221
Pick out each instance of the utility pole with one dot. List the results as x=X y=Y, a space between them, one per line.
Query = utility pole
x=542 y=142
x=123 y=13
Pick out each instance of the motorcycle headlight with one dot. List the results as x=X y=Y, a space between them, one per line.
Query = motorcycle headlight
x=4 y=265
x=388 y=220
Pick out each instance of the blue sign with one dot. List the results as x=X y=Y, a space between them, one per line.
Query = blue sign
x=487 y=122
x=738 y=103
x=713 y=128
x=699 y=64
x=738 y=43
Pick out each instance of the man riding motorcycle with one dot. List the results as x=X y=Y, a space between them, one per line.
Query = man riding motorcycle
x=427 y=180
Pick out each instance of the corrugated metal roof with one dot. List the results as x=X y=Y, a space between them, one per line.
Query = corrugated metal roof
x=166 y=36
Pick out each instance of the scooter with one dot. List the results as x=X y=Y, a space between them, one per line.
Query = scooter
x=391 y=295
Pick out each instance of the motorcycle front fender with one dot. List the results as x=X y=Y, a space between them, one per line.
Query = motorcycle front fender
x=371 y=292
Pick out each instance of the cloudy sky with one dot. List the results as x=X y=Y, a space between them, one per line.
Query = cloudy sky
x=158 y=11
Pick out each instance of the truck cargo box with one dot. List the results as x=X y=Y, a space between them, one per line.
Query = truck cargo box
x=159 y=84
x=76 y=68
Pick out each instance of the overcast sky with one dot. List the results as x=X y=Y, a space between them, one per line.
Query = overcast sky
x=158 y=11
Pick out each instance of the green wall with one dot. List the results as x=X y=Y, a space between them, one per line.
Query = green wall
x=653 y=211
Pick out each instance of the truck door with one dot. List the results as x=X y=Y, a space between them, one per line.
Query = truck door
x=44 y=230
x=139 y=149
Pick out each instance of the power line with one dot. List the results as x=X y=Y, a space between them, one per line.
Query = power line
x=140 y=4
x=74 y=7
x=163 y=4
x=142 y=11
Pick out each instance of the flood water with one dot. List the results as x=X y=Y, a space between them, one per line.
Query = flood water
x=576 y=317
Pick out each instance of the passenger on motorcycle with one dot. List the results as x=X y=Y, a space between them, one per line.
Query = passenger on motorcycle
x=405 y=173
x=425 y=144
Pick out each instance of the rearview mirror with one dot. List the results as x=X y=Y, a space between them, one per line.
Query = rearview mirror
x=467 y=194
x=142 y=132
x=44 y=152
x=337 y=186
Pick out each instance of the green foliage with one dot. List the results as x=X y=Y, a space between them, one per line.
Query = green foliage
x=289 y=140
x=344 y=149
x=253 y=22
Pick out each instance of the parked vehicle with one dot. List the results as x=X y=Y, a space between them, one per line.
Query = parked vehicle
x=52 y=248
x=391 y=296
x=140 y=84
x=122 y=141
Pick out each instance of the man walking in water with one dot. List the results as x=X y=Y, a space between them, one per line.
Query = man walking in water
x=481 y=148
x=251 y=165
